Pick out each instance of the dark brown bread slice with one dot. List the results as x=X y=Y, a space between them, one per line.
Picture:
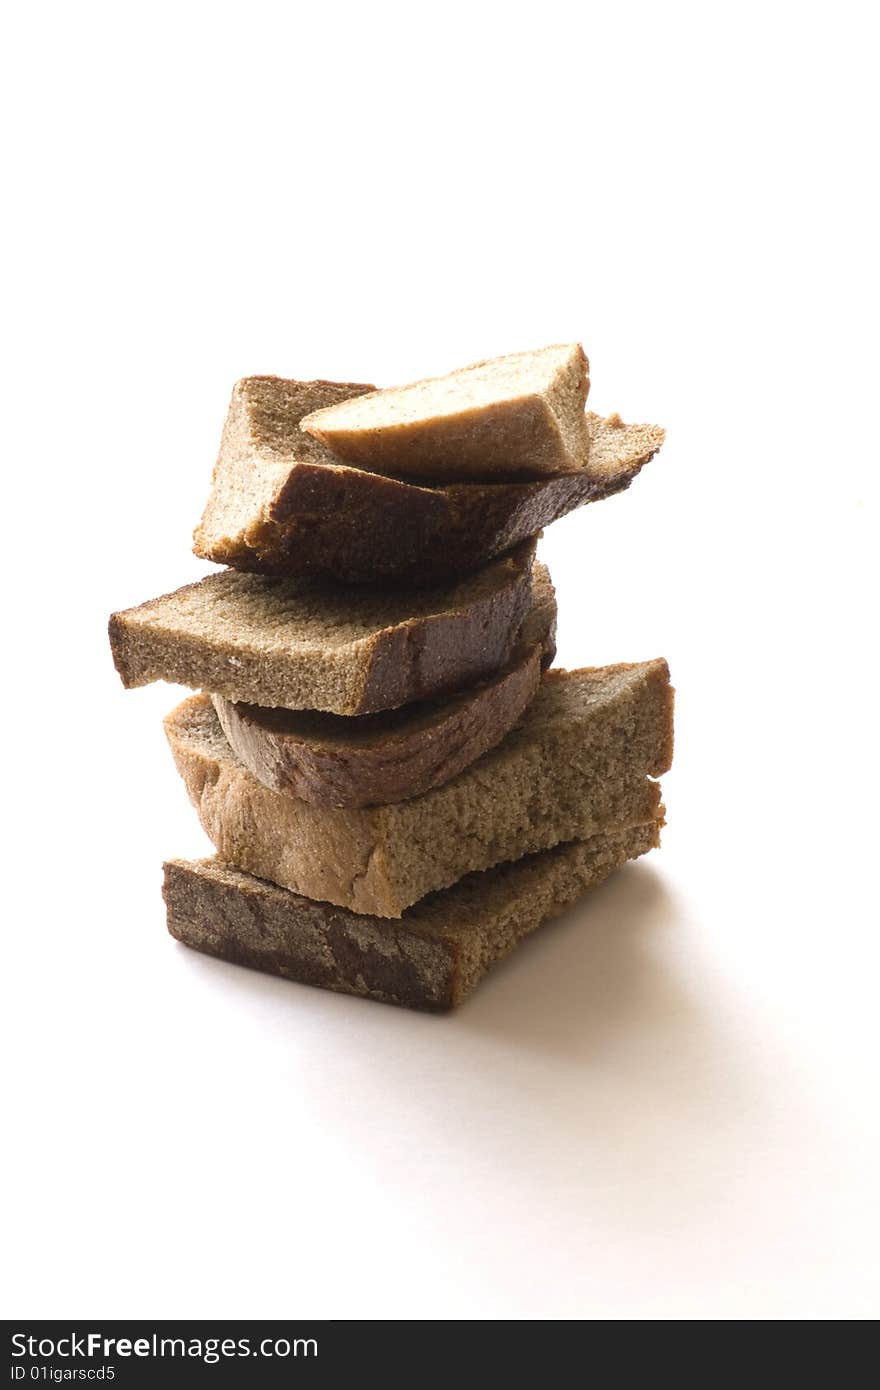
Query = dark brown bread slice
x=374 y=759
x=431 y=959
x=260 y=439
x=310 y=644
x=515 y=416
x=283 y=504
x=579 y=761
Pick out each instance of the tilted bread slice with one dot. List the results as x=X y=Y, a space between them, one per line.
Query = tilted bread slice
x=579 y=762
x=516 y=416
x=431 y=959
x=374 y=759
x=261 y=441
x=309 y=644
x=281 y=503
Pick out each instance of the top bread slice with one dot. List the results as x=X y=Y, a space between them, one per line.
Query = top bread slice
x=283 y=504
x=302 y=643
x=516 y=416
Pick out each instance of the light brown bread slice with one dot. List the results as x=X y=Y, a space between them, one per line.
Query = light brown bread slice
x=515 y=416
x=283 y=504
x=374 y=759
x=578 y=763
x=309 y=644
x=431 y=959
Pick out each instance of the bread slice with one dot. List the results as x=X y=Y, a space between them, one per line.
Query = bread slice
x=261 y=440
x=374 y=759
x=431 y=959
x=282 y=504
x=578 y=763
x=310 y=644
x=515 y=416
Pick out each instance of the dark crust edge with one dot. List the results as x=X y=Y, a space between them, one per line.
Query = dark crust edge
x=199 y=910
x=427 y=659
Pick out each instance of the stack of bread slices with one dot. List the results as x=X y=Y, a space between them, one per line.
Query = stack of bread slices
x=397 y=787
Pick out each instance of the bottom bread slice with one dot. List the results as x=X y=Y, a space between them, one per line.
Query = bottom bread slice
x=430 y=959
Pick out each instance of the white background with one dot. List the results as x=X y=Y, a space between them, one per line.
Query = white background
x=665 y=1106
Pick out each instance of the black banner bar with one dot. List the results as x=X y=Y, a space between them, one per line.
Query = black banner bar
x=122 y=1354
